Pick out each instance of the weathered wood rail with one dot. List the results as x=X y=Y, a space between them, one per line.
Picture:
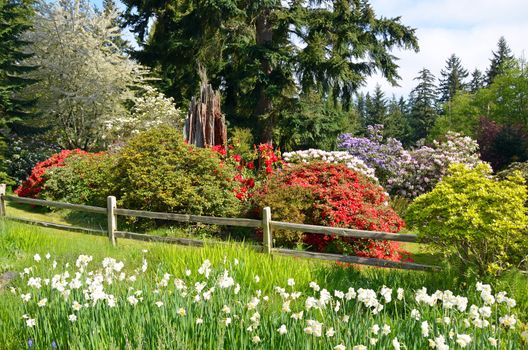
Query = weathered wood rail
x=266 y=224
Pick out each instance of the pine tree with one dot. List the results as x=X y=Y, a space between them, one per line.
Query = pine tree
x=375 y=107
x=422 y=102
x=500 y=62
x=477 y=81
x=452 y=79
x=262 y=54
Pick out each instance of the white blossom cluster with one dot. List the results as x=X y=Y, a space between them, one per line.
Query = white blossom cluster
x=151 y=109
x=334 y=157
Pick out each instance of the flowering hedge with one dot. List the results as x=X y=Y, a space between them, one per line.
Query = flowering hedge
x=334 y=157
x=410 y=173
x=332 y=195
x=35 y=182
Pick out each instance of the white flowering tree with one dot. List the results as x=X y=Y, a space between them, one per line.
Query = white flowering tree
x=83 y=81
x=151 y=109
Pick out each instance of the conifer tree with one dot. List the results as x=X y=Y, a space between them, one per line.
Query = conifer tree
x=477 y=81
x=422 y=100
x=501 y=61
x=375 y=107
x=15 y=19
x=452 y=79
x=263 y=53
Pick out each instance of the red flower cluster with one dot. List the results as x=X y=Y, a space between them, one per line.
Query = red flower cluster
x=342 y=198
x=248 y=175
x=269 y=157
x=34 y=183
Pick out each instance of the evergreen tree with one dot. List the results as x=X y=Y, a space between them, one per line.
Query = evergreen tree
x=501 y=61
x=477 y=81
x=396 y=124
x=375 y=107
x=361 y=107
x=110 y=10
x=452 y=79
x=15 y=19
x=422 y=102
x=261 y=54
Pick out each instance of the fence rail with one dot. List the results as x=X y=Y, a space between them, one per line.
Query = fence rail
x=266 y=224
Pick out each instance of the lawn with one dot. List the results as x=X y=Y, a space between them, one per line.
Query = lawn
x=155 y=310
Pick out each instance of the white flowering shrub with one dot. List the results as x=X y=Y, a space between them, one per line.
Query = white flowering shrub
x=109 y=305
x=151 y=109
x=335 y=157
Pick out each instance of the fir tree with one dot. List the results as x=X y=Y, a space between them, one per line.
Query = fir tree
x=15 y=19
x=422 y=102
x=477 y=81
x=262 y=54
x=500 y=62
x=396 y=124
x=375 y=107
x=452 y=79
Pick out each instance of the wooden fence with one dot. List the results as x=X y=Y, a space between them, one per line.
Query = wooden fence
x=266 y=224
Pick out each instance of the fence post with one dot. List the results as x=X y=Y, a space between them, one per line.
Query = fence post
x=266 y=228
x=2 y=199
x=112 y=218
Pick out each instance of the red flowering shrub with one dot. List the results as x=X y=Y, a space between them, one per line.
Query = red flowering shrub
x=331 y=195
x=34 y=183
x=248 y=175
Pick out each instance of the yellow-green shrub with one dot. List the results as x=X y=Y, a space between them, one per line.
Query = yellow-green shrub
x=474 y=218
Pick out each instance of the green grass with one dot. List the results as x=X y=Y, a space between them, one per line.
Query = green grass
x=146 y=326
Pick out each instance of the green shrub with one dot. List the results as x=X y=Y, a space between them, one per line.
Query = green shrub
x=290 y=204
x=477 y=220
x=84 y=179
x=157 y=171
x=521 y=167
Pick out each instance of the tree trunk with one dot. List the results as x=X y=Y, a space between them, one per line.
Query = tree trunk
x=205 y=124
x=265 y=120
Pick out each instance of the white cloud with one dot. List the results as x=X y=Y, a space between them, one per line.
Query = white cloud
x=470 y=29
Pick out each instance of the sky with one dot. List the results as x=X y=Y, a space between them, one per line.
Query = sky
x=468 y=28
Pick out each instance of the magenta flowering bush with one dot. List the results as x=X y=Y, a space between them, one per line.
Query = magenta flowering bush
x=410 y=173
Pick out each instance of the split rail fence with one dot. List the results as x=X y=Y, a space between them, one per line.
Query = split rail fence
x=266 y=224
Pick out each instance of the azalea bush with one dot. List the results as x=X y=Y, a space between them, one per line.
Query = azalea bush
x=331 y=195
x=252 y=167
x=82 y=180
x=34 y=184
x=334 y=157
x=474 y=219
x=409 y=173
x=109 y=303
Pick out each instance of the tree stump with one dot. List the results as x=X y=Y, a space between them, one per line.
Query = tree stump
x=205 y=124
